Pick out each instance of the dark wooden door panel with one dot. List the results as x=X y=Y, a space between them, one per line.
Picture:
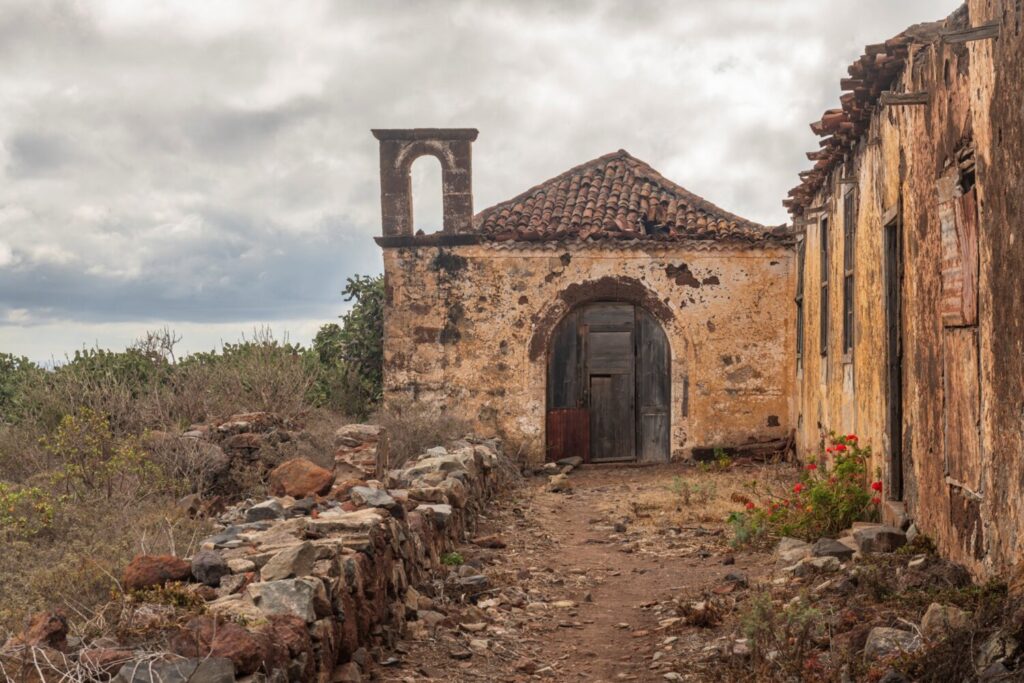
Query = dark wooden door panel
x=568 y=434
x=611 y=314
x=653 y=389
x=612 y=421
x=609 y=353
x=564 y=390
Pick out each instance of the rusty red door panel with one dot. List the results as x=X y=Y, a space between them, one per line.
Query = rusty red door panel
x=568 y=434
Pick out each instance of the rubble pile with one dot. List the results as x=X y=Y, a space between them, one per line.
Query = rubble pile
x=311 y=583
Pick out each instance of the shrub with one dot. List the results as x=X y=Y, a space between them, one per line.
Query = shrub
x=24 y=511
x=351 y=355
x=783 y=639
x=90 y=462
x=414 y=426
x=827 y=499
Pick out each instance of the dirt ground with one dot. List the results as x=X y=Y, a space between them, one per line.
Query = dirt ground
x=591 y=582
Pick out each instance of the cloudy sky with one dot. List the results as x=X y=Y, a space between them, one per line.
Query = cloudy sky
x=208 y=165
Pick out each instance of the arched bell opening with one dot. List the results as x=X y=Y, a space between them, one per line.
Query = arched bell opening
x=608 y=385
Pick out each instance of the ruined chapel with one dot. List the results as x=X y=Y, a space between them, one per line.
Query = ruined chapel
x=609 y=313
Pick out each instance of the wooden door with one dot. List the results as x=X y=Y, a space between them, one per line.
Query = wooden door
x=894 y=356
x=609 y=386
x=610 y=356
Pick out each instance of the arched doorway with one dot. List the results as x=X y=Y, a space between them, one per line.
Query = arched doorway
x=609 y=385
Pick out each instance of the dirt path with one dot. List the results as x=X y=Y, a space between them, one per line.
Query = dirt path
x=590 y=583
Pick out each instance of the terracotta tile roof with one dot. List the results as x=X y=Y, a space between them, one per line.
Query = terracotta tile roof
x=875 y=72
x=615 y=196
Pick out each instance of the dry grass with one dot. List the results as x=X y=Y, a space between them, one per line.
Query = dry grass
x=704 y=495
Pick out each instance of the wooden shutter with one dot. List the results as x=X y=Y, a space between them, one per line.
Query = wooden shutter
x=958 y=221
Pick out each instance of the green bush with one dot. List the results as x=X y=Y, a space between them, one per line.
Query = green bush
x=828 y=498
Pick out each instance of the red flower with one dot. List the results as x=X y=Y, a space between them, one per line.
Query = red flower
x=798 y=488
x=828 y=450
x=840 y=447
x=876 y=485
x=876 y=500
x=851 y=437
x=811 y=466
x=751 y=506
x=831 y=480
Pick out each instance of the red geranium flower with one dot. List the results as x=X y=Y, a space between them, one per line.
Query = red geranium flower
x=811 y=466
x=798 y=488
x=851 y=437
x=750 y=506
x=840 y=447
x=828 y=450
x=876 y=500
x=876 y=485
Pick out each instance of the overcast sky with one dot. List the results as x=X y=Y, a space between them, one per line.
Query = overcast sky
x=208 y=165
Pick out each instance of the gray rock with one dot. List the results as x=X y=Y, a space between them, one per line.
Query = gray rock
x=189 y=670
x=879 y=538
x=477 y=582
x=739 y=578
x=208 y=567
x=442 y=512
x=829 y=547
x=268 y=509
x=304 y=597
x=912 y=533
x=941 y=620
x=883 y=641
x=814 y=565
x=998 y=647
x=369 y=497
x=790 y=551
x=289 y=563
x=574 y=461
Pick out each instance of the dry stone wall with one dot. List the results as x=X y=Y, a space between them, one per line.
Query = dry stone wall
x=304 y=585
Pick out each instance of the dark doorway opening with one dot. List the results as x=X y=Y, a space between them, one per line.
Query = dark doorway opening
x=608 y=386
x=894 y=353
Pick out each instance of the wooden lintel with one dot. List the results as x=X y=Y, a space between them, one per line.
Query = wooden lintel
x=981 y=32
x=889 y=98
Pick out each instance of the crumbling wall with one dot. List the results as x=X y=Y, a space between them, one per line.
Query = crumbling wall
x=974 y=94
x=468 y=328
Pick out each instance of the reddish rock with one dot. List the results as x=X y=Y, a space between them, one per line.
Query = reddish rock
x=204 y=637
x=341 y=489
x=45 y=629
x=300 y=478
x=155 y=570
x=244 y=441
x=105 y=659
x=492 y=541
x=289 y=633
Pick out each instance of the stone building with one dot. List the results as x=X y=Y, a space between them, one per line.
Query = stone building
x=910 y=298
x=606 y=312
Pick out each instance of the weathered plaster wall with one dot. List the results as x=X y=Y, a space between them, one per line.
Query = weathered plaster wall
x=467 y=326
x=976 y=91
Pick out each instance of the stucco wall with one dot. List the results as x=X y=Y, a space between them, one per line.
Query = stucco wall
x=467 y=327
x=975 y=91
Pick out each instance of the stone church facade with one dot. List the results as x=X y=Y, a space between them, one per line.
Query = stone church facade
x=606 y=313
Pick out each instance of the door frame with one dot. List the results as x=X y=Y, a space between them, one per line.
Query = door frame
x=565 y=420
x=893 y=278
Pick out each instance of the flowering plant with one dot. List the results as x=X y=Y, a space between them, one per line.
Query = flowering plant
x=832 y=493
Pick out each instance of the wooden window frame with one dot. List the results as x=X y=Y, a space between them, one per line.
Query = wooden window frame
x=849 y=260
x=823 y=313
x=801 y=260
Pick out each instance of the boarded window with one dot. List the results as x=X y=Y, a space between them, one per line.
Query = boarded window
x=823 y=304
x=958 y=221
x=849 y=227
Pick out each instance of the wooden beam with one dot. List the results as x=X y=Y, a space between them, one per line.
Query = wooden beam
x=890 y=98
x=981 y=32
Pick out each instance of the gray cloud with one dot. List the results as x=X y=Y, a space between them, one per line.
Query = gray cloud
x=211 y=162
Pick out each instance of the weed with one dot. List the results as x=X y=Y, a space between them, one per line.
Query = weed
x=452 y=559
x=413 y=426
